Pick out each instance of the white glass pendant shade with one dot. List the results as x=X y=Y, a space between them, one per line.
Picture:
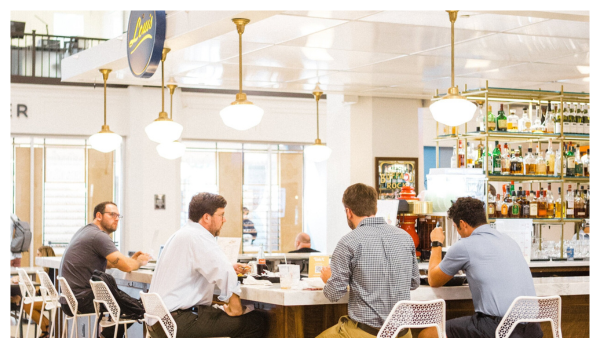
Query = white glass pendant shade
x=105 y=141
x=171 y=150
x=164 y=130
x=453 y=111
x=241 y=116
x=317 y=152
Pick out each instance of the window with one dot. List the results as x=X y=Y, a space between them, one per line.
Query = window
x=262 y=183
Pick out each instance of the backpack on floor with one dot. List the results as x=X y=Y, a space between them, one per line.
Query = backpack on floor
x=131 y=308
x=22 y=236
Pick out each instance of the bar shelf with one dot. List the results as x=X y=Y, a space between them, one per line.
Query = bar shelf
x=535 y=220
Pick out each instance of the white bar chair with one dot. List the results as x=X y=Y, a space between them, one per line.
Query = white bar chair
x=414 y=314
x=28 y=297
x=103 y=296
x=49 y=298
x=69 y=296
x=157 y=310
x=531 y=309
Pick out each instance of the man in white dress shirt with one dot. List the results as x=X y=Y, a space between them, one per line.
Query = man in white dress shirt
x=190 y=266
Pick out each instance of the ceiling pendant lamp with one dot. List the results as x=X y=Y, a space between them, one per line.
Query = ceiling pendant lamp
x=105 y=140
x=453 y=109
x=241 y=114
x=175 y=149
x=317 y=152
x=163 y=129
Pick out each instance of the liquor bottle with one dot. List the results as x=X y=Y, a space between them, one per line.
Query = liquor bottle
x=513 y=162
x=497 y=160
x=536 y=126
x=558 y=162
x=587 y=203
x=515 y=209
x=549 y=123
x=533 y=205
x=542 y=205
x=261 y=265
x=505 y=207
x=491 y=119
x=570 y=160
x=525 y=205
x=461 y=155
x=519 y=169
x=529 y=163
x=567 y=119
x=480 y=119
x=521 y=200
x=542 y=119
x=585 y=160
x=525 y=122
x=480 y=156
x=578 y=163
x=557 y=124
x=505 y=160
x=558 y=205
x=491 y=205
x=586 y=120
x=550 y=158
x=512 y=121
x=499 y=206
x=549 y=202
x=501 y=123
x=569 y=204
x=540 y=163
x=580 y=123
x=453 y=158
x=579 y=204
x=469 y=155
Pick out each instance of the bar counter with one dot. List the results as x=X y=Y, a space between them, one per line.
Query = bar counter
x=300 y=313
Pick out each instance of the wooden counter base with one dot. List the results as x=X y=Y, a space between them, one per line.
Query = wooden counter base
x=310 y=321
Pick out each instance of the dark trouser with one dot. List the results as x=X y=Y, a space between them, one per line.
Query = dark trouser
x=86 y=305
x=480 y=325
x=211 y=322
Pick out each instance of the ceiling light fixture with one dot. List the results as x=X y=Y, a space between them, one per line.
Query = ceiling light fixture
x=163 y=129
x=317 y=152
x=105 y=140
x=175 y=149
x=453 y=109
x=241 y=114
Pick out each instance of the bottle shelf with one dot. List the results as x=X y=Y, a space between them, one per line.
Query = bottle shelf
x=514 y=136
x=567 y=179
x=524 y=178
x=535 y=220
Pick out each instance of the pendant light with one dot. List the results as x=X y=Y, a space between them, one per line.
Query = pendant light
x=105 y=140
x=163 y=129
x=453 y=109
x=241 y=114
x=175 y=149
x=317 y=152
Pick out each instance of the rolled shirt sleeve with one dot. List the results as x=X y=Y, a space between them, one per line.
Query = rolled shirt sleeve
x=218 y=271
x=337 y=285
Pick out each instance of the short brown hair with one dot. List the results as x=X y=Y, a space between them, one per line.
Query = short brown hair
x=100 y=208
x=361 y=199
x=468 y=209
x=205 y=203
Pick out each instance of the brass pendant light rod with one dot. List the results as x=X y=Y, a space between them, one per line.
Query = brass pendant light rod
x=453 y=15
x=171 y=91
x=240 y=24
x=317 y=93
x=105 y=73
x=165 y=51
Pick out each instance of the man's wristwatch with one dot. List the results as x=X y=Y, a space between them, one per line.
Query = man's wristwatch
x=436 y=243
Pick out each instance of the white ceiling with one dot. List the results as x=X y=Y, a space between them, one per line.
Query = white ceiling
x=375 y=53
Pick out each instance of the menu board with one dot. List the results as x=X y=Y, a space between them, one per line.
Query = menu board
x=519 y=230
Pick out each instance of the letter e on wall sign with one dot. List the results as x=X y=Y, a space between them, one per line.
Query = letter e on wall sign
x=145 y=41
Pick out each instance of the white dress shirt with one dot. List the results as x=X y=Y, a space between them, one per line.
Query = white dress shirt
x=190 y=266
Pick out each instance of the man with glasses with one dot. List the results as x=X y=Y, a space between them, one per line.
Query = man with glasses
x=91 y=248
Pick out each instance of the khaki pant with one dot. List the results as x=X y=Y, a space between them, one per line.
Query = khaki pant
x=347 y=328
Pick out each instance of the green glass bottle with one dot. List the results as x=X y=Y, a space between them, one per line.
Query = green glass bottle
x=501 y=122
x=496 y=161
x=570 y=158
x=491 y=120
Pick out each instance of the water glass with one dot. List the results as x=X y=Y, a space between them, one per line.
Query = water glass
x=286 y=279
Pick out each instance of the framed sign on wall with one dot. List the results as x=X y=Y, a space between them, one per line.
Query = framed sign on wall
x=393 y=173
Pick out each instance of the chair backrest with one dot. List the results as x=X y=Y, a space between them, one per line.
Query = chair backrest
x=65 y=291
x=157 y=310
x=407 y=314
x=103 y=295
x=24 y=277
x=49 y=293
x=531 y=309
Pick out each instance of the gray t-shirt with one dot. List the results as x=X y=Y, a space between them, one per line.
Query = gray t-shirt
x=86 y=252
x=495 y=267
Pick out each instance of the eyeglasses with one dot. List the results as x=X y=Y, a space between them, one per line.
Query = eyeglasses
x=114 y=215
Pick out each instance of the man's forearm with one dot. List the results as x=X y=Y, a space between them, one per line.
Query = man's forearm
x=435 y=258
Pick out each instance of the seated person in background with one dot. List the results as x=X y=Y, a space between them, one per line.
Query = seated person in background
x=248 y=225
x=376 y=260
x=495 y=267
x=15 y=293
x=302 y=243
x=91 y=248
x=191 y=265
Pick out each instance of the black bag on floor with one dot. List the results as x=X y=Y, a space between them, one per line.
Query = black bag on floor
x=131 y=308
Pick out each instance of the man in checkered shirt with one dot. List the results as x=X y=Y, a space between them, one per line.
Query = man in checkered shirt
x=376 y=260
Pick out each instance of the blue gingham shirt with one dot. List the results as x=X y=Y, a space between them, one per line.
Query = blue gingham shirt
x=378 y=261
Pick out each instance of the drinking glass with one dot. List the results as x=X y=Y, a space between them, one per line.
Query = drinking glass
x=286 y=279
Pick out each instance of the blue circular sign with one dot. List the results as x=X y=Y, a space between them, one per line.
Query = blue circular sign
x=145 y=41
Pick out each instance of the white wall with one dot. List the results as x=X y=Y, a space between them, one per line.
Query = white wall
x=97 y=24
